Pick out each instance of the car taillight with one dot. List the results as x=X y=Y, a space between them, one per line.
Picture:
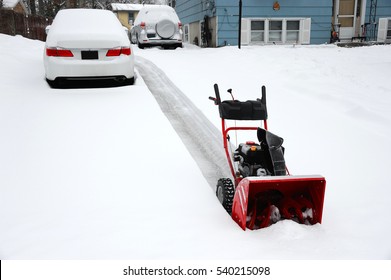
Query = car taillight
x=58 y=52
x=119 y=51
x=142 y=24
x=126 y=51
x=179 y=25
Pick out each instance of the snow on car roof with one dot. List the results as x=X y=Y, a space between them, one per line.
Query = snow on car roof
x=86 y=20
x=127 y=7
x=153 y=13
x=85 y=23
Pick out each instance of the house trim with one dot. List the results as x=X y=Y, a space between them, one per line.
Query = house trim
x=384 y=29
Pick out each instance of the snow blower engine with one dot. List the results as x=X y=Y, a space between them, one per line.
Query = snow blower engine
x=263 y=192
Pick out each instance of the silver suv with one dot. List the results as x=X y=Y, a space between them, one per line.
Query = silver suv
x=157 y=25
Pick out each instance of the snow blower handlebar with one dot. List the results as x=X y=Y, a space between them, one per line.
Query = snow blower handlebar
x=253 y=110
x=241 y=110
x=217 y=99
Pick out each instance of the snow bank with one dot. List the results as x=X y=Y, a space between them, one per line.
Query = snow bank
x=331 y=106
x=101 y=174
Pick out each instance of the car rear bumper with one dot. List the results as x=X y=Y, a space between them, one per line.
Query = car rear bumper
x=161 y=42
x=151 y=39
x=68 y=68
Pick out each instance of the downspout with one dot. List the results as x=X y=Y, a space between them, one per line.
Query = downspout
x=336 y=12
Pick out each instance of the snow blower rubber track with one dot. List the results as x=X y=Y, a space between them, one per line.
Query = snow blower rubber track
x=263 y=192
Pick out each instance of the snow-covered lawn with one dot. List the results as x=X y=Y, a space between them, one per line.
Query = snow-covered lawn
x=101 y=173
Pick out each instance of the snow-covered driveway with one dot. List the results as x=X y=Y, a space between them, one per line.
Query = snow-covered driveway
x=102 y=173
x=93 y=173
x=202 y=139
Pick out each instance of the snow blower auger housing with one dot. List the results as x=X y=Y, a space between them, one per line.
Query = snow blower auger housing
x=263 y=192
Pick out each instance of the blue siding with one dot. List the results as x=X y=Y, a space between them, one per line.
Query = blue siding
x=383 y=10
x=189 y=11
x=320 y=12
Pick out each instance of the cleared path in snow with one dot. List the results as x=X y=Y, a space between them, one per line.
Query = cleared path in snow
x=202 y=139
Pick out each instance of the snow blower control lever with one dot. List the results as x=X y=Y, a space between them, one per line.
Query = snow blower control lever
x=262 y=191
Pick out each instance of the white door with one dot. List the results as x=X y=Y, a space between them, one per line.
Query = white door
x=346 y=16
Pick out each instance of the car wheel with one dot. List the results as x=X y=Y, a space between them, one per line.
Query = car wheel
x=132 y=39
x=141 y=46
x=53 y=84
x=130 y=81
x=178 y=46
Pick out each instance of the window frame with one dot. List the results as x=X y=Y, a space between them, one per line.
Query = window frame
x=291 y=31
x=257 y=31
x=278 y=32
x=283 y=38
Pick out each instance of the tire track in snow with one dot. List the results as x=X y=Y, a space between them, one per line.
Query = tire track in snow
x=202 y=139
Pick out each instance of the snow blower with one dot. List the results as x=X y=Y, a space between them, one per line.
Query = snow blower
x=263 y=192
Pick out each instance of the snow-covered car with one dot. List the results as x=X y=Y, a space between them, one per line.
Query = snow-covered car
x=157 y=25
x=87 y=44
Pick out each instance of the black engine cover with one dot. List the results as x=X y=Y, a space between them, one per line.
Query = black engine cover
x=251 y=153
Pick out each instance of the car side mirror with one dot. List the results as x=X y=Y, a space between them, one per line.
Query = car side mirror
x=47 y=28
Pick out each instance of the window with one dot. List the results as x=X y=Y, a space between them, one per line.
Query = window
x=257 y=31
x=130 y=18
x=292 y=31
x=275 y=31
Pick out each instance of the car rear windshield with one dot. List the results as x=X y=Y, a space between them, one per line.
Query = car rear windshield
x=154 y=15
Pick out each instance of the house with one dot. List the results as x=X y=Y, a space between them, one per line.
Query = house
x=126 y=13
x=15 y=5
x=215 y=23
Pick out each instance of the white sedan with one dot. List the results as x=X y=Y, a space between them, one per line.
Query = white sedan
x=87 y=44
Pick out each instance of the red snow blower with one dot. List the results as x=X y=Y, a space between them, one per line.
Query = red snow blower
x=263 y=191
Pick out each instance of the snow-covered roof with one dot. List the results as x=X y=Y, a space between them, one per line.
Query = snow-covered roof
x=11 y=4
x=127 y=7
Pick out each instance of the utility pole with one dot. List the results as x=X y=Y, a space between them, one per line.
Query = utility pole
x=240 y=24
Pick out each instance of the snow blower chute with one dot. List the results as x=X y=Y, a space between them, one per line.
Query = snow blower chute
x=263 y=192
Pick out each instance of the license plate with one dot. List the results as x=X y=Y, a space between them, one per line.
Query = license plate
x=89 y=54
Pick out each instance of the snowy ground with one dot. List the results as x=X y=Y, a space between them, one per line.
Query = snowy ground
x=102 y=174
